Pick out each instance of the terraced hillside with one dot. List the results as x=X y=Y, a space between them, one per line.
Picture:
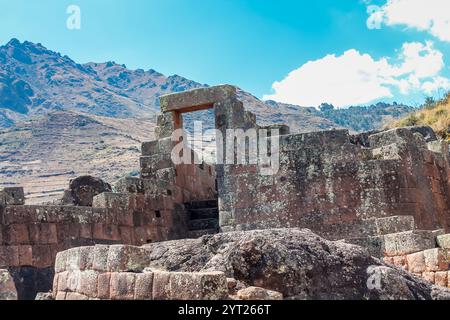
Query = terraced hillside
x=43 y=154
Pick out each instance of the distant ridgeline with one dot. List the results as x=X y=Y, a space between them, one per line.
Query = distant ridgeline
x=35 y=81
x=364 y=118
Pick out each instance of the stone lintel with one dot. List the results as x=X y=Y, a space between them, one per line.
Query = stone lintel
x=197 y=99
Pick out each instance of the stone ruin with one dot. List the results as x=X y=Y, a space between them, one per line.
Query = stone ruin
x=388 y=191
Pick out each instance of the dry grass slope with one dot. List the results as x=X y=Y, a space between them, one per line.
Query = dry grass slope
x=436 y=115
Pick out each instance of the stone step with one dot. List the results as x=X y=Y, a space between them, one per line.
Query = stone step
x=404 y=243
x=200 y=233
x=198 y=214
x=394 y=224
x=203 y=224
x=202 y=204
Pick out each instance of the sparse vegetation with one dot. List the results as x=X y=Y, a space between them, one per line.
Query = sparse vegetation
x=435 y=114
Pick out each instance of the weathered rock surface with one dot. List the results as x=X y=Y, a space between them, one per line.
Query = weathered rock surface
x=44 y=296
x=7 y=287
x=296 y=263
x=82 y=191
x=255 y=293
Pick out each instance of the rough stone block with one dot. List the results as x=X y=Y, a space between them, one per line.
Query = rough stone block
x=395 y=224
x=213 y=285
x=127 y=259
x=111 y=233
x=400 y=261
x=126 y=235
x=72 y=257
x=184 y=286
x=429 y=276
x=88 y=283
x=150 y=148
x=388 y=260
x=62 y=281
x=43 y=233
x=443 y=241
x=437 y=260
x=42 y=256
x=61 y=261
x=111 y=200
x=86 y=231
x=103 y=286
x=129 y=185
x=154 y=163
x=438 y=147
x=404 y=243
x=17 y=234
x=86 y=258
x=122 y=286
x=13 y=196
x=44 y=296
x=144 y=286
x=7 y=287
x=26 y=255
x=389 y=137
x=161 y=286
x=73 y=296
x=441 y=278
x=165 y=145
x=73 y=280
x=255 y=294
x=416 y=262
x=61 y=296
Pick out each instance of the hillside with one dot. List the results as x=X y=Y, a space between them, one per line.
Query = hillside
x=43 y=154
x=434 y=114
x=35 y=80
x=60 y=119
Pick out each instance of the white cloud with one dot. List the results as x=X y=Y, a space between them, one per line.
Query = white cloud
x=432 y=16
x=354 y=78
x=439 y=83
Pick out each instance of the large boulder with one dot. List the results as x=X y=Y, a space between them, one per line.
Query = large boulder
x=295 y=262
x=7 y=286
x=82 y=191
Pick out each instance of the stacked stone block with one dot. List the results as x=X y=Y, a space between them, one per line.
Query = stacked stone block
x=416 y=252
x=120 y=273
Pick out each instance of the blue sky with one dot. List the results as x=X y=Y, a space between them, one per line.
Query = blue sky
x=293 y=51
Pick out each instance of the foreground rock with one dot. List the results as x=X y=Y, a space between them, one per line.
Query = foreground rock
x=255 y=293
x=7 y=287
x=296 y=263
x=82 y=191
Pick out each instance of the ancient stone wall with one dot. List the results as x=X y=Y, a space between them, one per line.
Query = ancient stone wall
x=330 y=182
x=327 y=183
x=31 y=236
x=388 y=191
x=419 y=253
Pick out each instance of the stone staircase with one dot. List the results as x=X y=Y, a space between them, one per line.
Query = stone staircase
x=203 y=218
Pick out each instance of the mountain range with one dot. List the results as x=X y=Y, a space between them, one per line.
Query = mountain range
x=60 y=119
